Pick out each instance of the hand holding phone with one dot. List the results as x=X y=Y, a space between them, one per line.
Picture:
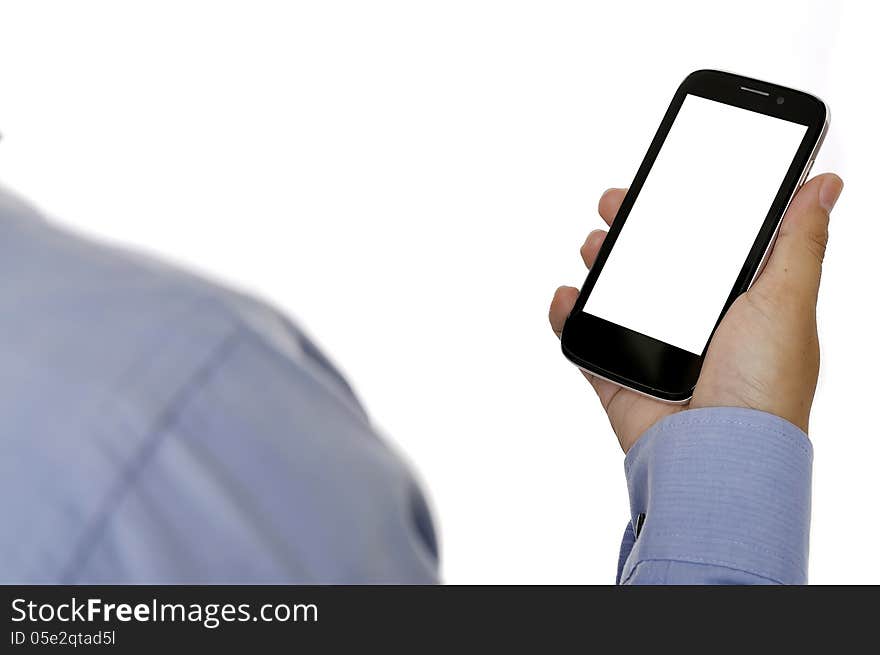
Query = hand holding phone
x=701 y=214
x=765 y=352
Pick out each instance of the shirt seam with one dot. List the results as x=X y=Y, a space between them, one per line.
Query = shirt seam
x=151 y=441
x=698 y=561
x=753 y=547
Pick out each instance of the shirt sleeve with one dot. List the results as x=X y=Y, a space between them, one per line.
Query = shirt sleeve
x=718 y=496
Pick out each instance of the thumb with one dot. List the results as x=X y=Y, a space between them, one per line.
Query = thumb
x=795 y=265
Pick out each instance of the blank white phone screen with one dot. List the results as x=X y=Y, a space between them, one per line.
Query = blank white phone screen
x=696 y=218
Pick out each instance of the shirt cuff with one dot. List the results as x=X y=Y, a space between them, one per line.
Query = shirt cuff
x=725 y=487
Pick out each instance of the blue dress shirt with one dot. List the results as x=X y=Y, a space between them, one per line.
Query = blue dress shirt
x=158 y=428
x=718 y=496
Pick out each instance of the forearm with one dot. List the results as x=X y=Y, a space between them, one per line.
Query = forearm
x=724 y=498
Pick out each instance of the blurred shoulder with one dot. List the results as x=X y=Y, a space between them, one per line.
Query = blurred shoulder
x=114 y=366
x=65 y=291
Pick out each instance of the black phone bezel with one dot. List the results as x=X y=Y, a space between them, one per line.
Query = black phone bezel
x=636 y=360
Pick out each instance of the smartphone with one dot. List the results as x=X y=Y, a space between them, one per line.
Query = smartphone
x=694 y=230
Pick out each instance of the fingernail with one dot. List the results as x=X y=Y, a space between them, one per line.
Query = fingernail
x=830 y=192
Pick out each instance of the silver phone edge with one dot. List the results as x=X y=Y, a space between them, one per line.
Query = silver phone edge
x=803 y=178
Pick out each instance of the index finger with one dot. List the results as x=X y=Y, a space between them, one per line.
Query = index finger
x=609 y=204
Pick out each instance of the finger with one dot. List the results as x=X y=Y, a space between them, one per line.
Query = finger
x=609 y=204
x=560 y=308
x=795 y=265
x=591 y=246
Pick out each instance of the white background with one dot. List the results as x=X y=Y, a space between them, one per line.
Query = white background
x=430 y=171
x=713 y=152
